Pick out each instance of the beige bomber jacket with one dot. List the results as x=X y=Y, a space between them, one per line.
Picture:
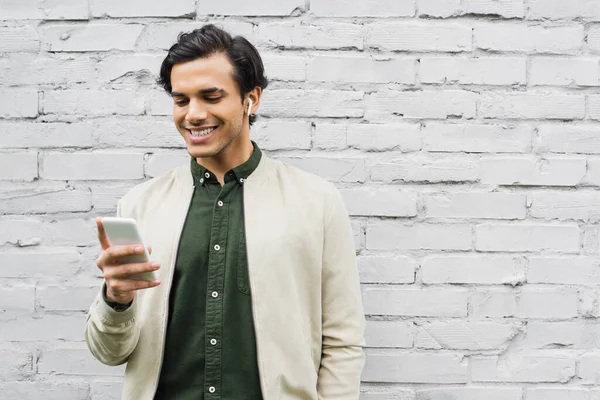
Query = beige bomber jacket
x=306 y=299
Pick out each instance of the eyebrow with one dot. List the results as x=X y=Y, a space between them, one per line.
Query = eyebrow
x=203 y=91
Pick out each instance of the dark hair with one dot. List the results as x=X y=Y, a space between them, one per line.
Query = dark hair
x=208 y=40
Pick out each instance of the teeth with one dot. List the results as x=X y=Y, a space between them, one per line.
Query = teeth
x=203 y=132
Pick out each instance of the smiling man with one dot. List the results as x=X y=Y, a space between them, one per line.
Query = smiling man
x=258 y=294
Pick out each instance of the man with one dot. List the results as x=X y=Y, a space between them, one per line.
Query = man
x=258 y=294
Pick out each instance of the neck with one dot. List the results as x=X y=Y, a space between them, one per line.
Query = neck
x=237 y=153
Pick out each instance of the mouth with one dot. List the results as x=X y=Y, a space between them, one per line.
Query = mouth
x=201 y=135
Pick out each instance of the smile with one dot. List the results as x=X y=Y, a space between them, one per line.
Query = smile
x=203 y=132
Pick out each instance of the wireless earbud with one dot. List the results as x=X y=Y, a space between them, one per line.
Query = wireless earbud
x=249 y=107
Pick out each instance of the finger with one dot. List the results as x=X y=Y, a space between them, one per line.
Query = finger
x=127 y=271
x=102 y=238
x=129 y=285
x=114 y=252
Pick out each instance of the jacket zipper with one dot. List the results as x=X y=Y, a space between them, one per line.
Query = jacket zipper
x=165 y=320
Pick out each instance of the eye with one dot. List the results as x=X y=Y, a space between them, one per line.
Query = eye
x=213 y=99
x=181 y=103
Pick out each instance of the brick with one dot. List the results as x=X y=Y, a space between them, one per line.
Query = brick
x=483 y=270
x=368 y=8
x=41 y=262
x=18 y=230
x=27 y=162
x=384 y=137
x=426 y=170
x=163 y=35
x=93 y=102
x=567 y=139
x=46 y=198
x=386 y=235
x=358 y=233
x=92 y=166
x=589 y=369
x=36 y=70
x=46 y=9
x=17 y=364
x=141 y=8
x=535 y=368
x=558 y=393
x=531 y=303
x=389 y=334
x=130 y=68
x=412 y=302
x=386 y=269
x=19 y=39
x=580 y=335
x=565 y=206
x=100 y=390
x=144 y=133
x=295 y=35
x=476 y=205
x=330 y=136
x=556 y=9
x=286 y=103
x=430 y=104
x=263 y=8
x=477 y=138
x=564 y=270
x=286 y=67
x=160 y=103
x=334 y=169
x=376 y=393
x=92 y=37
x=390 y=202
x=462 y=335
x=69 y=232
x=105 y=195
x=72 y=390
x=505 y=8
x=593 y=107
x=363 y=70
x=551 y=171
x=71 y=298
x=564 y=72
x=415 y=368
x=17 y=299
x=160 y=163
x=473 y=71
x=19 y=135
x=532 y=105
x=74 y=361
x=471 y=393
x=593 y=38
x=18 y=103
x=529 y=38
x=527 y=237
x=282 y=135
x=419 y=36
x=47 y=328
x=440 y=8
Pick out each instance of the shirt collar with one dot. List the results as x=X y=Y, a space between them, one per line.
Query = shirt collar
x=240 y=173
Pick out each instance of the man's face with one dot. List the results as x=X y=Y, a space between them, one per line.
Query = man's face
x=207 y=107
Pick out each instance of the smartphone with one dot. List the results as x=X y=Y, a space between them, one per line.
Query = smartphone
x=123 y=231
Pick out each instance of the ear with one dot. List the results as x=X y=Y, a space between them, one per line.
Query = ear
x=254 y=100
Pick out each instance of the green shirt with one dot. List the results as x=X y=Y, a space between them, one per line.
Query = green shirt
x=210 y=348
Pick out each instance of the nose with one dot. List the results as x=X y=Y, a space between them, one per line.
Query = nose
x=196 y=112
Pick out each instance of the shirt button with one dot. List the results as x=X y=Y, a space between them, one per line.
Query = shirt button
x=201 y=180
x=220 y=203
x=212 y=389
x=213 y=341
x=215 y=294
x=242 y=180
x=207 y=175
x=217 y=247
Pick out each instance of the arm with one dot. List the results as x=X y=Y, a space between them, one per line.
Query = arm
x=342 y=357
x=111 y=335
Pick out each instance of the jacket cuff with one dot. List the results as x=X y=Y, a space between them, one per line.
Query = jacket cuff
x=109 y=315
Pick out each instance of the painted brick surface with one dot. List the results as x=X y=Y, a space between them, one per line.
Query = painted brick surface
x=462 y=134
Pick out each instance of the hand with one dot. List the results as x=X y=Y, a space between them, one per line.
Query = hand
x=120 y=286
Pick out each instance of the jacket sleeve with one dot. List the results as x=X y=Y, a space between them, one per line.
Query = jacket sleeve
x=111 y=335
x=342 y=356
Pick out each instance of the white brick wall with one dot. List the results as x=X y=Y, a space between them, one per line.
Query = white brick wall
x=463 y=135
